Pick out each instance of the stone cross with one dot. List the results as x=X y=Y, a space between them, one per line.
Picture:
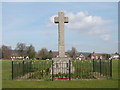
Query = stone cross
x=61 y=20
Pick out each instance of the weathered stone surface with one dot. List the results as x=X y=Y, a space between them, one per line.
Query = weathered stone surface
x=61 y=20
x=62 y=65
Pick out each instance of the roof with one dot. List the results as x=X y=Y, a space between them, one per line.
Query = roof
x=114 y=55
x=95 y=54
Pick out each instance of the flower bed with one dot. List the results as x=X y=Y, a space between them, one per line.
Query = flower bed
x=62 y=78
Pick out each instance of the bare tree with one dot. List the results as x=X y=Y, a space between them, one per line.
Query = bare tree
x=50 y=55
x=31 y=52
x=73 y=52
x=21 y=49
x=43 y=53
x=6 y=52
x=0 y=52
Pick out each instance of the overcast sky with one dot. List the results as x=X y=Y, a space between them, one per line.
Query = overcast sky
x=92 y=26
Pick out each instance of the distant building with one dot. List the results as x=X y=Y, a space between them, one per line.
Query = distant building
x=66 y=54
x=15 y=55
x=55 y=54
x=95 y=56
x=114 y=56
x=81 y=57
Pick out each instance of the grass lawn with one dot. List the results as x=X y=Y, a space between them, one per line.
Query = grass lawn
x=8 y=83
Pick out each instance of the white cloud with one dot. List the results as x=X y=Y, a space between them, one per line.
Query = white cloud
x=93 y=25
x=50 y=25
x=105 y=37
x=52 y=18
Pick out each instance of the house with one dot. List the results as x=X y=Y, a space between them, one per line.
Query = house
x=114 y=56
x=66 y=54
x=80 y=57
x=15 y=55
x=95 y=56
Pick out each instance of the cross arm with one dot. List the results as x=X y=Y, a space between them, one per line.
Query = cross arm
x=56 y=19
x=65 y=19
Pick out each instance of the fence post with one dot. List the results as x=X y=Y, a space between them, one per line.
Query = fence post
x=23 y=67
x=69 y=69
x=111 y=68
x=52 y=70
x=12 y=70
x=100 y=67
x=93 y=66
x=30 y=68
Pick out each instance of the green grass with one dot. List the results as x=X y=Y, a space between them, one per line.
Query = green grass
x=115 y=69
x=62 y=84
x=6 y=70
x=8 y=83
